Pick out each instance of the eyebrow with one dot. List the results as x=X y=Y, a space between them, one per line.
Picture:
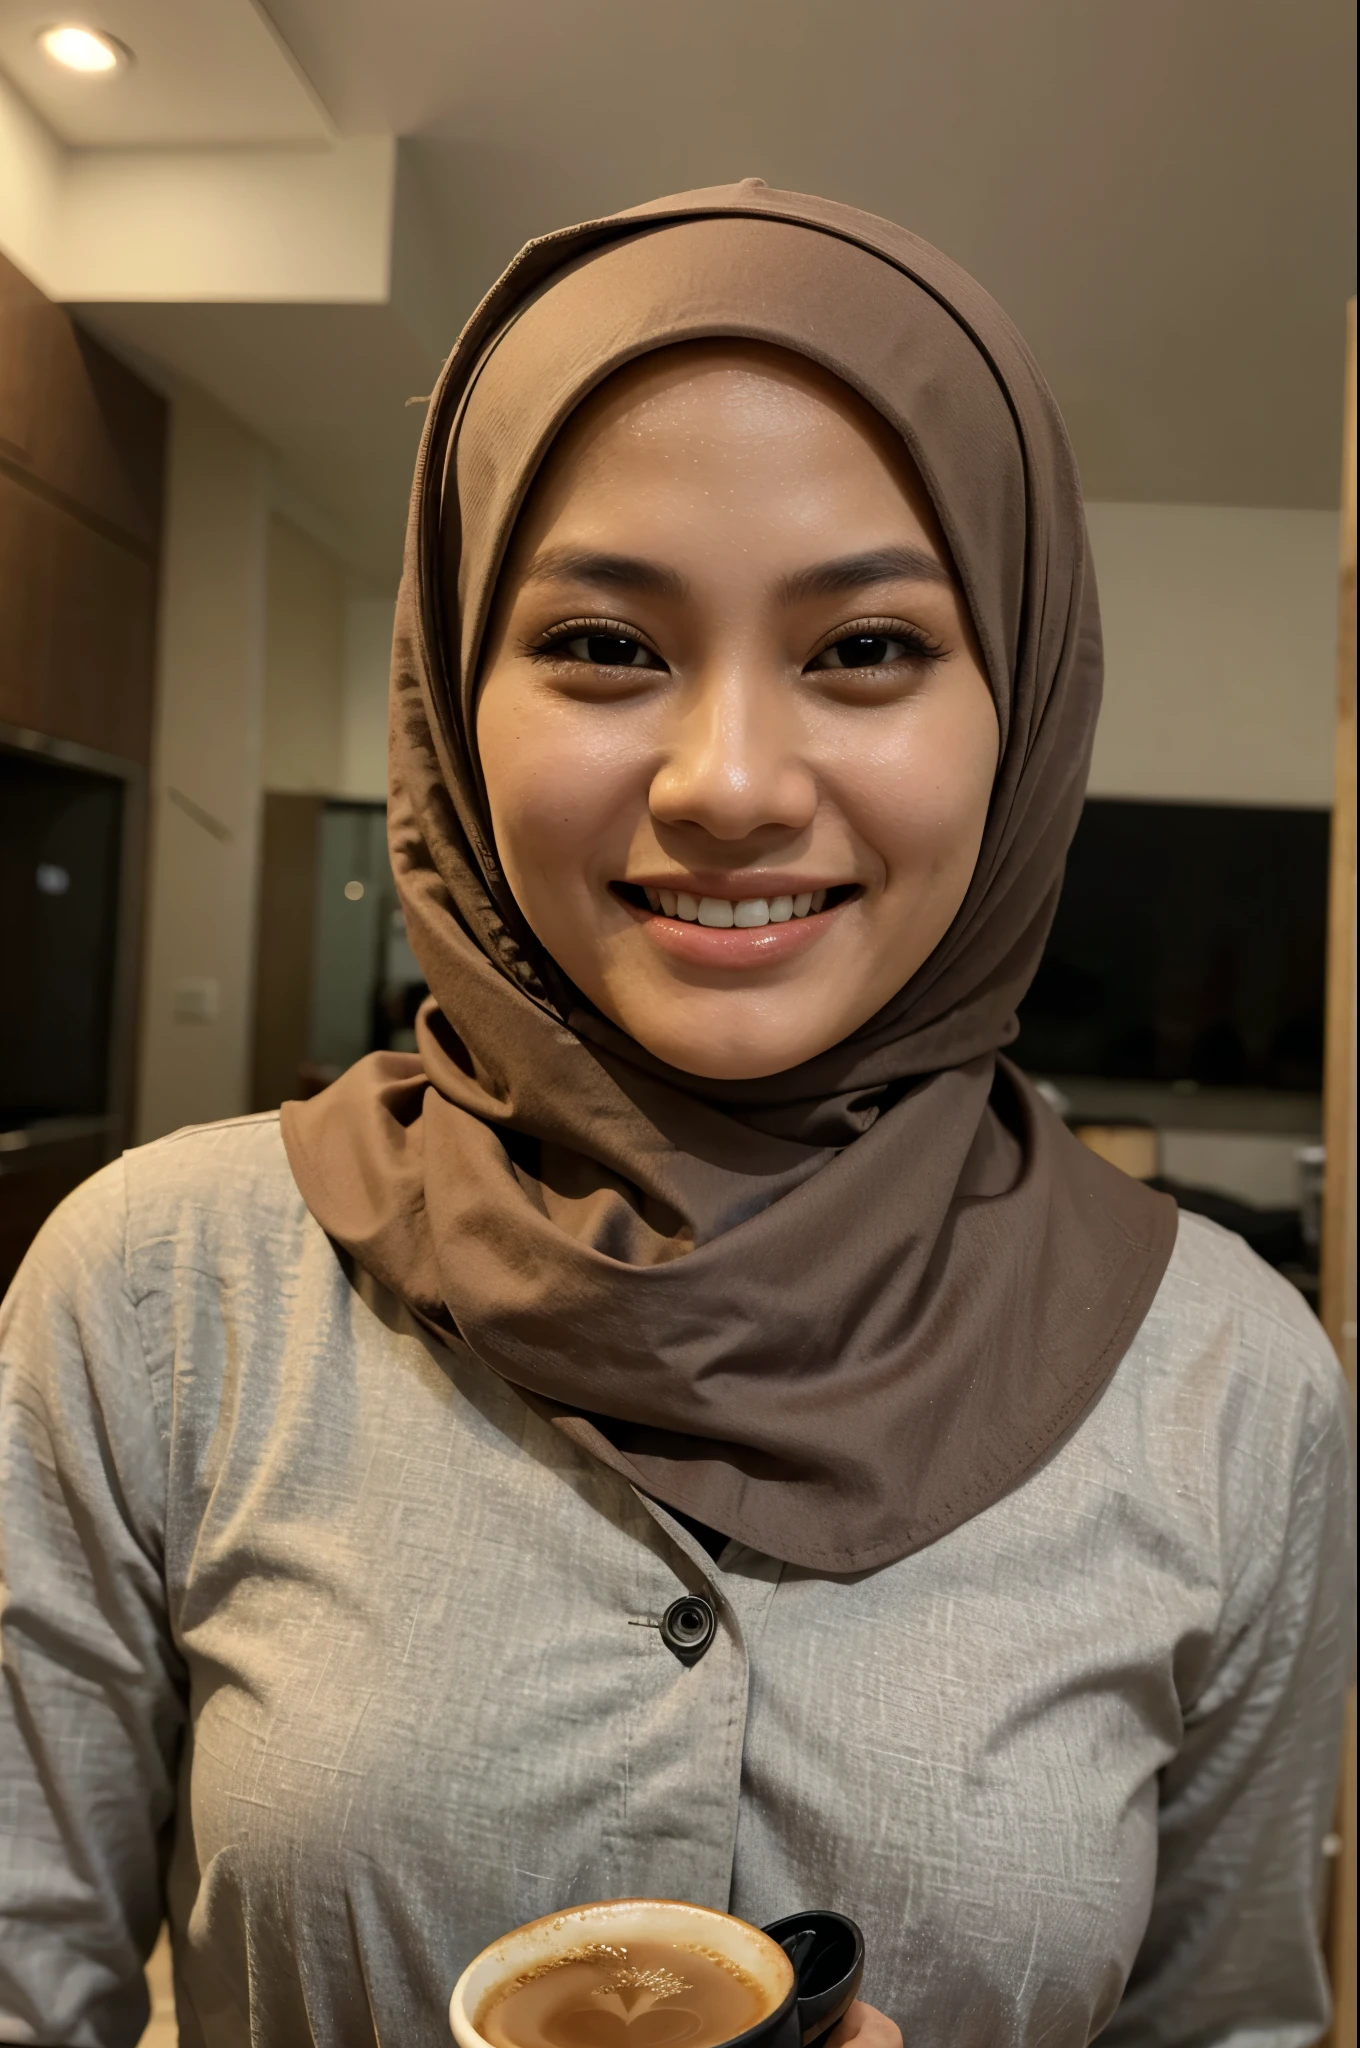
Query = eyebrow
x=858 y=572
x=616 y=572
x=633 y=573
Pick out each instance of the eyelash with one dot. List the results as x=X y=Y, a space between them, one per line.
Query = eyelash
x=550 y=647
x=921 y=649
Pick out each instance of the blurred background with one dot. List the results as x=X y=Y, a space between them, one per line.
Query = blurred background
x=236 y=242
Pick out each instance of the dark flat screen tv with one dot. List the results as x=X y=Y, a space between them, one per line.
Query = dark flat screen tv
x=61 y=844
x=1189 y=947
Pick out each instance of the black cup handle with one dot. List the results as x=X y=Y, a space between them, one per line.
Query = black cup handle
x=827 y=1953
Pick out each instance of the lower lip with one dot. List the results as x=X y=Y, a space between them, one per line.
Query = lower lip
x=733 y=946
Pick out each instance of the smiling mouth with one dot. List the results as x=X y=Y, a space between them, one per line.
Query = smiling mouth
x=745 y=913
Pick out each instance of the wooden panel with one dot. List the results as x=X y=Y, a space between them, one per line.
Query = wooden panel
x=284 y=947
x=23 y=312
x=82 y=461
x=82 y=458
x=1338 y=1239
x=77 y=628
x=81 y=427
x=1339 y=1196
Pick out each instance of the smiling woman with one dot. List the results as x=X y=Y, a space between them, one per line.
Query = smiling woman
x=736 y=732
x=700 y=1428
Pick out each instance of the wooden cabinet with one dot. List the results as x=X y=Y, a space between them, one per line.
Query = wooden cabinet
x=82 y=458
x=77 y=627
x=77 y=425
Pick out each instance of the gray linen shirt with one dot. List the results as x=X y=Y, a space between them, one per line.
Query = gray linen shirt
x=321 y=1638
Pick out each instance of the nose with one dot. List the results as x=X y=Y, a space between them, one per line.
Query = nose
x=734 y=764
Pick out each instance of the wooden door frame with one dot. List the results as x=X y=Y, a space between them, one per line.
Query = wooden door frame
x=1338 y=1298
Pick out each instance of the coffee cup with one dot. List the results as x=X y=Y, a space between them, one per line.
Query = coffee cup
x=629 y=1973
x=787 y=1986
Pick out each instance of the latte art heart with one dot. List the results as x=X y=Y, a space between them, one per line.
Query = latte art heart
x=638 y=1994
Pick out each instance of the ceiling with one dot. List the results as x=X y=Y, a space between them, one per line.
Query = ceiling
x=1161 y=195
x=203 y=72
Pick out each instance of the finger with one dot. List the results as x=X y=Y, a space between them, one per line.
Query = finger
x=865 y=2027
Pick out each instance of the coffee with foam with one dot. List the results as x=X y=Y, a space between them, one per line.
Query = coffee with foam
x=627 y=1973
x=625 y=1994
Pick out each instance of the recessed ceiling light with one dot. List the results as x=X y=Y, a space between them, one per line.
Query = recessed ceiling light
x=83 y=49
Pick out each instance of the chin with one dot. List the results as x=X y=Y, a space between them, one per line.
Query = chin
x=753 y=1068
x=741 y=1060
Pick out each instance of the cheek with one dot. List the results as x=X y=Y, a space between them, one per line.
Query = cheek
x=920 y=798
x=558 y=787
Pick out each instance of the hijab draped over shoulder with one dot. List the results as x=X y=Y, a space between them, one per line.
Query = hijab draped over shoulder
x=835 y=1312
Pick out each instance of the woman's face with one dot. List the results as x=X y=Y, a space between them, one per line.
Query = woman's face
x=736 y=734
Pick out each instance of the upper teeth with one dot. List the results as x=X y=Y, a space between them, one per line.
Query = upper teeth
x=746 y=911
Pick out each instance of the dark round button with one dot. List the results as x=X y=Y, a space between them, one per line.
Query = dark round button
x=688 y=1627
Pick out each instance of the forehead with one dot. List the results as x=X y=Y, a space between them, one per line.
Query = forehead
x=726 y=425
x=724 y=371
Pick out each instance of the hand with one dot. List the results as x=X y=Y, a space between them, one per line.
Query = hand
x=866 y=2028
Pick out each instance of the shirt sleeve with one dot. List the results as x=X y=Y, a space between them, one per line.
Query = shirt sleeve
x=1232 y=1956
x=91 y=1687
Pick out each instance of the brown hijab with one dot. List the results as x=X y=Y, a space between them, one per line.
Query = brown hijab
x=835 y=1312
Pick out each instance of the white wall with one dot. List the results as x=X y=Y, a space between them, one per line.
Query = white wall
x=327 y=651
x=1220 y=653
x=31 y=163
x=272 y=675
x=205 y=773
x=367 y=658
x=1220 y=687
x=304 y=656
x=245 y=225
x=294 y=225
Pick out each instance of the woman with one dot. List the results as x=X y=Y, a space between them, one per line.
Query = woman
x=701 y=1427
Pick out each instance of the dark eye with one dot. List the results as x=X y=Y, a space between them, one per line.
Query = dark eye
x=863 y=650
x=609 y=650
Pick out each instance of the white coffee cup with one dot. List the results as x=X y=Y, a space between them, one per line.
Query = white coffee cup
x=623 y=1920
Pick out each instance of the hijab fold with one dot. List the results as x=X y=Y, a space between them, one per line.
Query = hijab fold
x=836 y=1311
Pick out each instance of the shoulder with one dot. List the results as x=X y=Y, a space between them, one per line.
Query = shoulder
x=151 y=1247
x=222 y=1187
x=1242 y=1327
x=214 y=1167
x=209 y=1210
x=225 y=1184
x=1234 y=1397
x=216 y=1228
x=197 y=1249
